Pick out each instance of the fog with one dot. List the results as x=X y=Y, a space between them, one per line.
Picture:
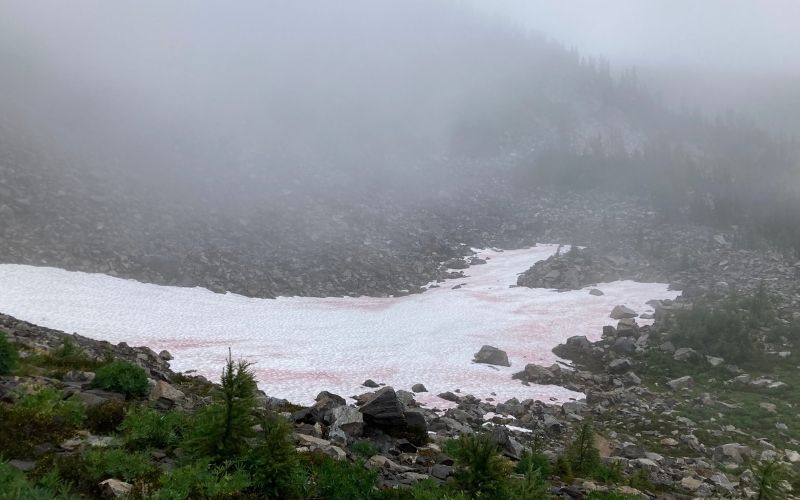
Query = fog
x=417 y=98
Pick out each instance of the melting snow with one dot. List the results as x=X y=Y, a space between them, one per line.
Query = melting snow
x=301 y=346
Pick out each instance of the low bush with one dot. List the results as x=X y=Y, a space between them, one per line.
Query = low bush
x=118 y=463
x=335 y=480
x=201 y=480
x=8 y=355
x=15 y=486
x=273 y=463
x=69 y=357
x=123 y=377
x=106 y=418
x=37 y=418
x=480 y=469
x=49 y=403
x=364 y=449
x=145 y=427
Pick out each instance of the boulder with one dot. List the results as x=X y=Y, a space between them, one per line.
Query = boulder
x=684 y=354
x=620 y=365
x=579 y=342
x=383 y=409
x=491 y=356
x=165 y=395
x=370 y=383
x=734 y=452
x=621 y=312
x=347 y=424
x=418 y=388
x=536 y=374
x=114 y=488
x=441 y=471
x=508 y=446
x=680 y=383
x=596 y=292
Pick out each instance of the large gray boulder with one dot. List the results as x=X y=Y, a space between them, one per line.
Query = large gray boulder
x=383 y=409
x=621 y=312
x=347 y=424
x=491 y=356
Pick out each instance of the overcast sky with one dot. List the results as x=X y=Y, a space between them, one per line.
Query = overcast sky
x=731 y=35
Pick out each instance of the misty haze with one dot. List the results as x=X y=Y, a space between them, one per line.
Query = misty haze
x=384 y=249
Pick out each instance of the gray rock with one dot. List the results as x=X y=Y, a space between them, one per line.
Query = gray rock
x=491 y=356
x=620 y=365
x=624 y=345
x=383 y=409
x=620 y=312
x=596 y=292
x=348 y=423
x=734 y=452
x=114 y=488
x=680 y=383
x=418 y=388
x=684 y=354
x=370 y=383
x=441 y=471
x=165 y=395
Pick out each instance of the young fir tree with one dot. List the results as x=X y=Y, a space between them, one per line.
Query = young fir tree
x=223 y=428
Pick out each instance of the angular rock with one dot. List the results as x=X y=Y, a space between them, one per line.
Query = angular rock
x=165 y=395
x=383 y=409
x=620 y=312
x=491 y=356
x=114 y=488
x=680 y=383
x=347 y=424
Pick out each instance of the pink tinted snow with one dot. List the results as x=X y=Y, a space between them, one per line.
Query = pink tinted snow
x=301 y=346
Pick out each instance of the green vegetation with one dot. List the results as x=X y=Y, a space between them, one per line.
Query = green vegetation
x=123 y=377
x=15 y=486
x=481 y=471
x=145 y=427
x=273 y=464
x=582 y=454
x=106 y=417
x=37 y=417
x=201 y=480
x=223 y=427
x=770 y=479
x=8 y=355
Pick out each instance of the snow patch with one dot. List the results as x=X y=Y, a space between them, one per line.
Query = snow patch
x=301 y=345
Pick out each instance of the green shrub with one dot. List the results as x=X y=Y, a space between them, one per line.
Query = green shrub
x=37 y=418
x=769 y=481
x=106 y=417
x=15 y=486
x=425 y=490
x=582 y=453
x=123 y=377
x=273 y=463
x=145 y=427
x=641 y=481
x=201 y=480
x=335 y=480
x=608 y=473
x=533 y=460
x=223 y=427
x=609 y=495
x=49 y=403
x=364 y=449
x=103 y=463
x=8 y=355
x=533 y=485
x=480 y=470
